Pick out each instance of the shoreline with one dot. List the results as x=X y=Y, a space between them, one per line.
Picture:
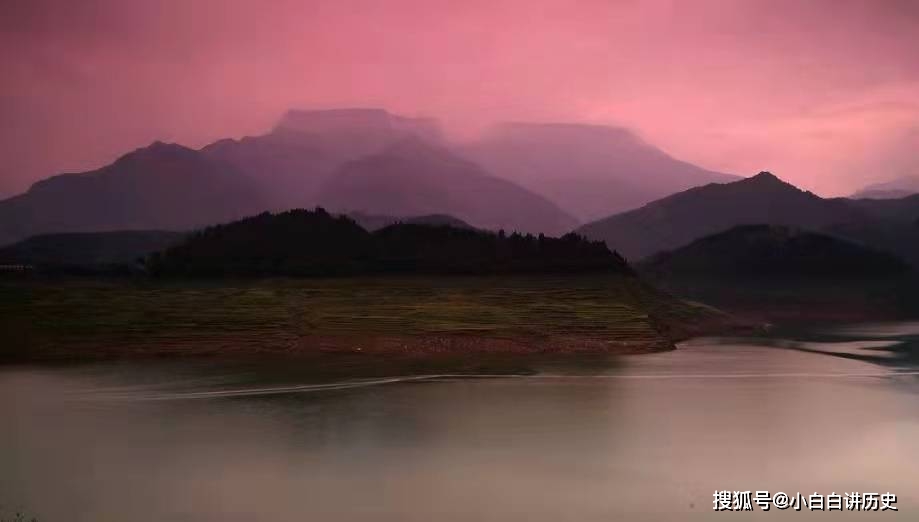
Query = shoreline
x=426 y=346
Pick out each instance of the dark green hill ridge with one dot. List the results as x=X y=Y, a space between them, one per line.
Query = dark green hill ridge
x=773 y=251
x=316 y=243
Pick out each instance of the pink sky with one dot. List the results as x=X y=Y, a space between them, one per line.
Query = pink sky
x=823 y=93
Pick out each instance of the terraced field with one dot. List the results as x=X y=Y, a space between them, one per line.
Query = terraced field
x=81 y=318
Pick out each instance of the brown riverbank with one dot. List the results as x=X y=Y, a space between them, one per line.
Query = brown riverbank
x=92 y=319
x=310 y=346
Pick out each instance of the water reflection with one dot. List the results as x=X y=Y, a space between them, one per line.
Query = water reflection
x=640 y=438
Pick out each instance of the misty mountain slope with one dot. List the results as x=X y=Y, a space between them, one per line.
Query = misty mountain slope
x=305 y=148
x=893 y=189
x=590 y=171
x=677 y=220
x=415 y=178
x=161 y=187
x=288 y=168
x=754 y=251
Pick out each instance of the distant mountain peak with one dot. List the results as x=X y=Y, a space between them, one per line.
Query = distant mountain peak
x=163 y=146
x=767 y=177
x=765 y=174
x=297 y=118
x=163 y=186
x=158 y=149
x=354 y=119
x=681 y=218
x=768 y=180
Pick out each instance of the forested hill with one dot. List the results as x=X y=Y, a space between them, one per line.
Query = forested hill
x=316 y=243
x=770 y=251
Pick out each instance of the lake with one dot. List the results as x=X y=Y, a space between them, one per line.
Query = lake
x=646 y=437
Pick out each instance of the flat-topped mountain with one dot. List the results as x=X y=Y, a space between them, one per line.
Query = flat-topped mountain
x=679 y=219
x=161 y=187
x=590 y=171
x=357 y=121
x=309 y=158
x=374 y=162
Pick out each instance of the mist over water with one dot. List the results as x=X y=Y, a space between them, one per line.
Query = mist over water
x=640 y=438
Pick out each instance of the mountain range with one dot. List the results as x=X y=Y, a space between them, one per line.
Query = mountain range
x=532 y=178
x=679 y=219
x=361 y=160
x=160 y=187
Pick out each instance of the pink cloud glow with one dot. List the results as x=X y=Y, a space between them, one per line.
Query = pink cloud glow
x=824 y=93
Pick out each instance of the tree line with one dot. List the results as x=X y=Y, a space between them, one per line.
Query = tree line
x=316 y=243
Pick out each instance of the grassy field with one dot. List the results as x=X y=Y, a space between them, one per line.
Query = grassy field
x=80 y=318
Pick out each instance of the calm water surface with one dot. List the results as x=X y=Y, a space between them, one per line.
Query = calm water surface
x=638 y=438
